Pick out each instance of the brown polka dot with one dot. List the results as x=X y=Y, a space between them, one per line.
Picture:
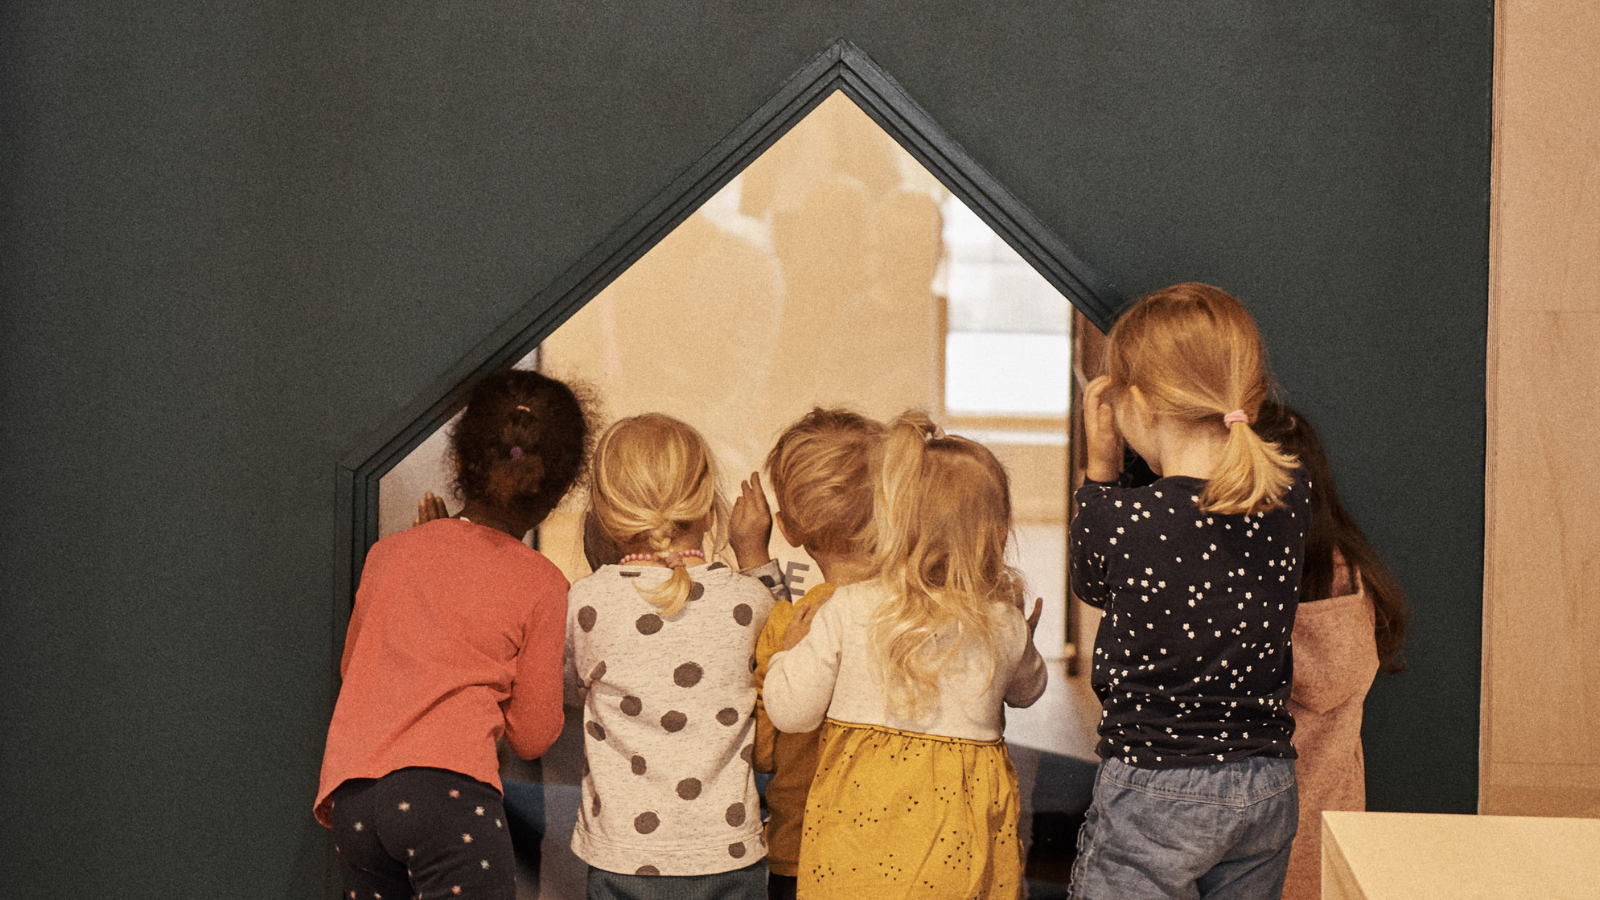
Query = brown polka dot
x=696 y=591
x=649 y=623
x=646 y=822
x=735 y=815
x=769 y=581
x=674 y=721
x=598 y=672
x=596 y=731
x=687 y=675
x=585 y=764
x=648 y=870
x=748 y=754
x=715 y=566
x=728 y=716
x=638 y=765
x=743 y=614
x=586 y=617
x=632 y=705
x=689 y=788
x=736 y=850
x=595 y=806
x=752 y=663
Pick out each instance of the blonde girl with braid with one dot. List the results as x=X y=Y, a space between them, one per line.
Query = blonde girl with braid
x=661 y=647
x=907 y=675
x=1199 y=577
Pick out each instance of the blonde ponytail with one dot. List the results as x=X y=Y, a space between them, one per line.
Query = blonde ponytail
x=654 y=479
x=1251 y=477
x=942 y=507
x=1195 y=354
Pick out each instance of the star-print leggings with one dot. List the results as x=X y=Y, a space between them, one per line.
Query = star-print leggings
x=422 y=833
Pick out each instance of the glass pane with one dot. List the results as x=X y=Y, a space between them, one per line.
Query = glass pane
x=1008 y=374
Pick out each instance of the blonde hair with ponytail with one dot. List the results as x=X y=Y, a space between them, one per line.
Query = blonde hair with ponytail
x=1195 y=354
x=654 y=479
x=943 y=511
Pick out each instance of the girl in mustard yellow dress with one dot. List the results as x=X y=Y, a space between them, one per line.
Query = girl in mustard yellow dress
x=907 y=675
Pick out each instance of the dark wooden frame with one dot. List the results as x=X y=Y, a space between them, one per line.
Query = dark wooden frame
x=841 y=67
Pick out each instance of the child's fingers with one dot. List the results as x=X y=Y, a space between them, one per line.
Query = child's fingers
x=751 y=488
x=800 y=626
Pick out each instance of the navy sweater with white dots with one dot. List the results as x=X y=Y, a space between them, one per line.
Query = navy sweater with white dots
x=1192 y=662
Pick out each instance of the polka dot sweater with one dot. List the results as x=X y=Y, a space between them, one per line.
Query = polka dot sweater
x=1192 y=662
x=668 y=720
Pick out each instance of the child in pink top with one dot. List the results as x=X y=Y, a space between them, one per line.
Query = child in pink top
x=1351 y=624
x=456 y=639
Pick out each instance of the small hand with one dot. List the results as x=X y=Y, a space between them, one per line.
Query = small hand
x=1100 y=435
x=430 y=508
x=800 y=625
x=750 y=524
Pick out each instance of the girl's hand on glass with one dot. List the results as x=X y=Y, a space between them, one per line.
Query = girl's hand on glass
x=750 y=525
x=1033 y=619
x=1104 y=444
x=428 y=509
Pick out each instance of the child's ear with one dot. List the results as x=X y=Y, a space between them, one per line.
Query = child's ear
x=783 y=528
x=1139 y=405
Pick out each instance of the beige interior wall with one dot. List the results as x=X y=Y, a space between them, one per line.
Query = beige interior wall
x=807 y=280
x=1541 y=681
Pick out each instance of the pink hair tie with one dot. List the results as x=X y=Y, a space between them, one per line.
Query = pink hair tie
x=1235 y=416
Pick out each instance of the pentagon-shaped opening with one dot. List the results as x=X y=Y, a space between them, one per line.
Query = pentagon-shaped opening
x=852 y=256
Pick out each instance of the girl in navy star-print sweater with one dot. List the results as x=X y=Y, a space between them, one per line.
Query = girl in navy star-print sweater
x=1198 y=575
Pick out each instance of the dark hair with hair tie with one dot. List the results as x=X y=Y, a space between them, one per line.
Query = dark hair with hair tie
x=522 y=442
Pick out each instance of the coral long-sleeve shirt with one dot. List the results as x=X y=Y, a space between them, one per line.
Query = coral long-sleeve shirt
x=456 y=639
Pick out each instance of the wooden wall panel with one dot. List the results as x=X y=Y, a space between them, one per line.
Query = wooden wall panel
x=1541 y=689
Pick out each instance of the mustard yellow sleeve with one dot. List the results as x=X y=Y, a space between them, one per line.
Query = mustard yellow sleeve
x=770 y=642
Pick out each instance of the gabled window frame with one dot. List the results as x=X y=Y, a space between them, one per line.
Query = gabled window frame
x=841 y=67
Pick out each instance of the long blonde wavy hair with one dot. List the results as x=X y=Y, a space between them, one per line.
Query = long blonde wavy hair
x=654 y=478
x=943 y=512
x=1195 y=354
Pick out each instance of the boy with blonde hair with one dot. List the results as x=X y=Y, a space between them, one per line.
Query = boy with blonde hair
x=821 y=472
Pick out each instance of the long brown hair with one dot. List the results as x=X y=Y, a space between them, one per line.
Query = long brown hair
x=1332 y=527
x=1195 y=354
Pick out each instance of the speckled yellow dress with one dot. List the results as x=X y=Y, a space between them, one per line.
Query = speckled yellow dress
x=898 y=814
x=899 y=808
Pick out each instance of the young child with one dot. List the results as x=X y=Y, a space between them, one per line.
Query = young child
x=1198 y=574
x=907 y=674
x=662 y=646
x=455 y=639
x=821 y=470
x=1351 y=624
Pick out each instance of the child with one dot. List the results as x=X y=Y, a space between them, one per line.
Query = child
x=455 y=639
x=1351 y=623
x=1198 y=574
x=663 y=646
x=822 y=477
x=906 y=675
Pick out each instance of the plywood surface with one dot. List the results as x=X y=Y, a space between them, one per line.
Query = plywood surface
x=1541 y=712
x=1389 y=856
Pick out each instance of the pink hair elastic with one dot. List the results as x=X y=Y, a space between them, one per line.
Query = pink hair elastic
x=1235 y=416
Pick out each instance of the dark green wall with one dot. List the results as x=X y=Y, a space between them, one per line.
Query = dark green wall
x=237 y=237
